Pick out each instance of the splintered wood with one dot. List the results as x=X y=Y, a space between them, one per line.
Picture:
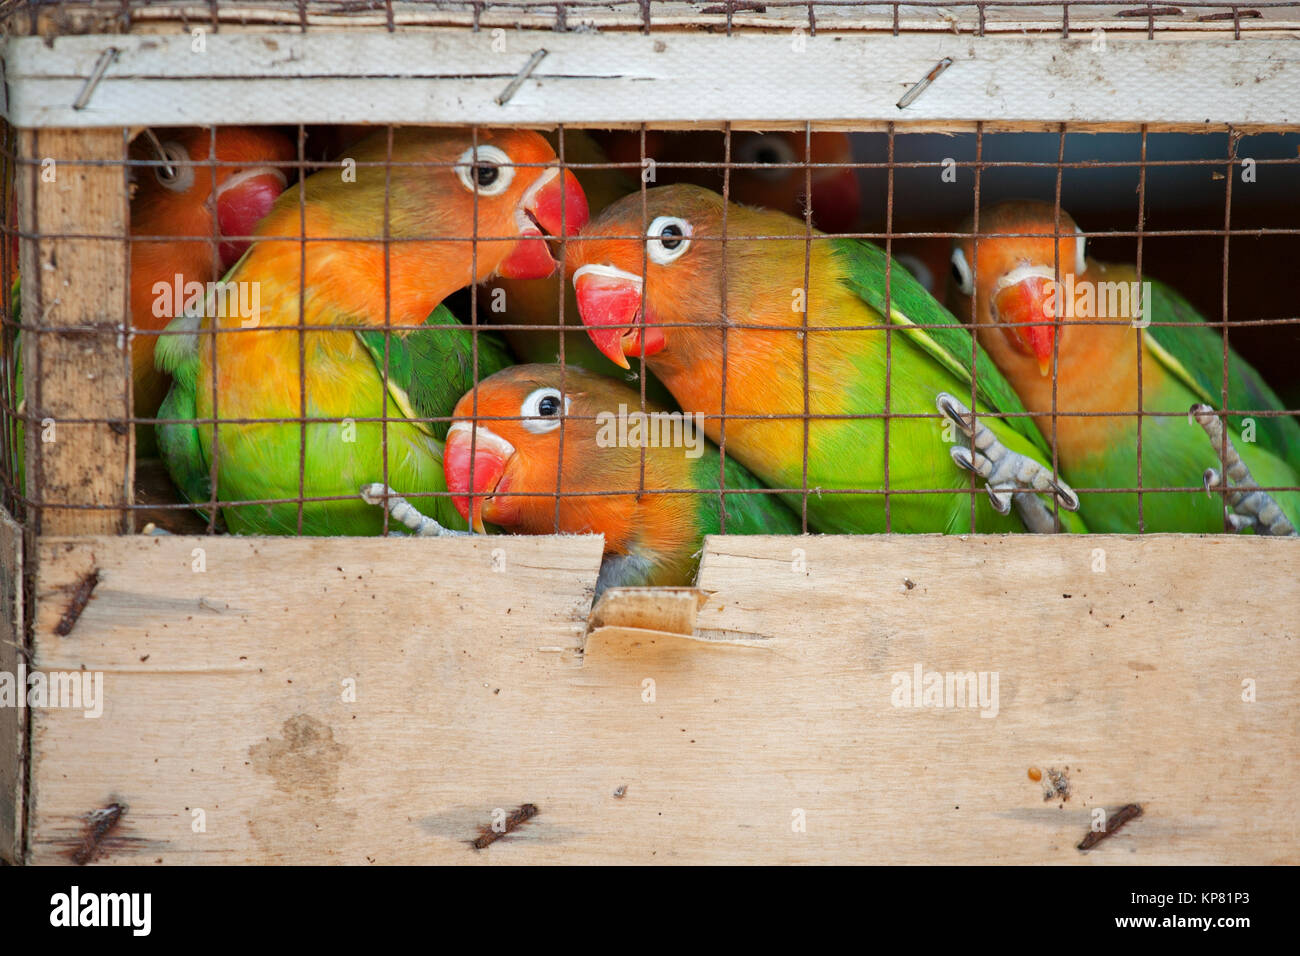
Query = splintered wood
x=393 y=701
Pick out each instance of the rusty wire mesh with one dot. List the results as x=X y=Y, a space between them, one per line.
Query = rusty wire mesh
x=1258 y=310
x=1140 y=220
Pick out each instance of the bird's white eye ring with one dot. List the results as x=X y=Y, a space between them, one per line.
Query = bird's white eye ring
x=488 y=171
x=961 y=273
x=769 y=149
x=669 y=238
x=1080 y=252
x=174 y=176
x=542 y=410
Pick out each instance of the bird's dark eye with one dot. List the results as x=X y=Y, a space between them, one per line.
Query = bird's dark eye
x=669 y=238
x=171 y=173
x=486 y=170
x=767 y=155
x=542 y=410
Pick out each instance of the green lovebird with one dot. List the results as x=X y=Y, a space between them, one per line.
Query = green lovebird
x=1101 y=315
x=260 y=451
x=867 y=390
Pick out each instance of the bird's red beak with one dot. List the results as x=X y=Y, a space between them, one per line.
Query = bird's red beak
x=242 y=200
x=610 y=301
x=554 y=205
x=1018 y=306
x=474 y=461
x=836 y=199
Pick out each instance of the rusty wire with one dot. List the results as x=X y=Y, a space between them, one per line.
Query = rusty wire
x=737 y=15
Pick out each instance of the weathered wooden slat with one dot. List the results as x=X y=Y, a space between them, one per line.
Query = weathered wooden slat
x=13 y=720
x=366 y=76
x=225 y=692
x=77 y=284
x=235 y=15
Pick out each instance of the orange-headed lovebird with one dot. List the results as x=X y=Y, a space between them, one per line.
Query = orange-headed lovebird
x=1103 y=313
x=441 y=190
x=540 y=450
x=675 y=314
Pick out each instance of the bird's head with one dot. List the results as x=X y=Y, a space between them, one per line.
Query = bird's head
x=1024 y=258
x=509 y=437
x=202 y=182
x=780 y=181
x=502 y=186
x=647 y=280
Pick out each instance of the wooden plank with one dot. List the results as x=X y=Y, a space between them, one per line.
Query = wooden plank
x=78 y=368
x=223 y=694
x=611 y=78
x=91 y=16
x=13 y=719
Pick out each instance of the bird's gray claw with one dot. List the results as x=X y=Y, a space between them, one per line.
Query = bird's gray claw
x=1007 y=475
x=401 y=510
x=1248 y=506
x=1235 y=522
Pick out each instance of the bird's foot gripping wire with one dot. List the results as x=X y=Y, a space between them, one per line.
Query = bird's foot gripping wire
x=402 y=511
x=1248 y=507
x=1009 y=477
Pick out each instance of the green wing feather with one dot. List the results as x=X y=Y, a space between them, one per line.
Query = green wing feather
x=177 y=354
x=914 y=309
x=1194 y=353
x=430 y=369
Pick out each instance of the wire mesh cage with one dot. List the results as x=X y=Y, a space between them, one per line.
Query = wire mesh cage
x=380 y=277
x=654 y=271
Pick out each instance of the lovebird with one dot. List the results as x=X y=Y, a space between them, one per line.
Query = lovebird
x=502 y=462
x=1095 y=351
x=856 y=373
x=767 y=169
x=255 y=372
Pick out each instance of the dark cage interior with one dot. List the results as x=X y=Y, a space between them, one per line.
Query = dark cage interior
x=656 y=333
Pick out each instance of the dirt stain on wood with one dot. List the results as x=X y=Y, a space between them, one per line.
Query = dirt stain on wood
x=305 y=761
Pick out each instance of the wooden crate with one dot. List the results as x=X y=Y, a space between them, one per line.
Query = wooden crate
x=346 y=700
